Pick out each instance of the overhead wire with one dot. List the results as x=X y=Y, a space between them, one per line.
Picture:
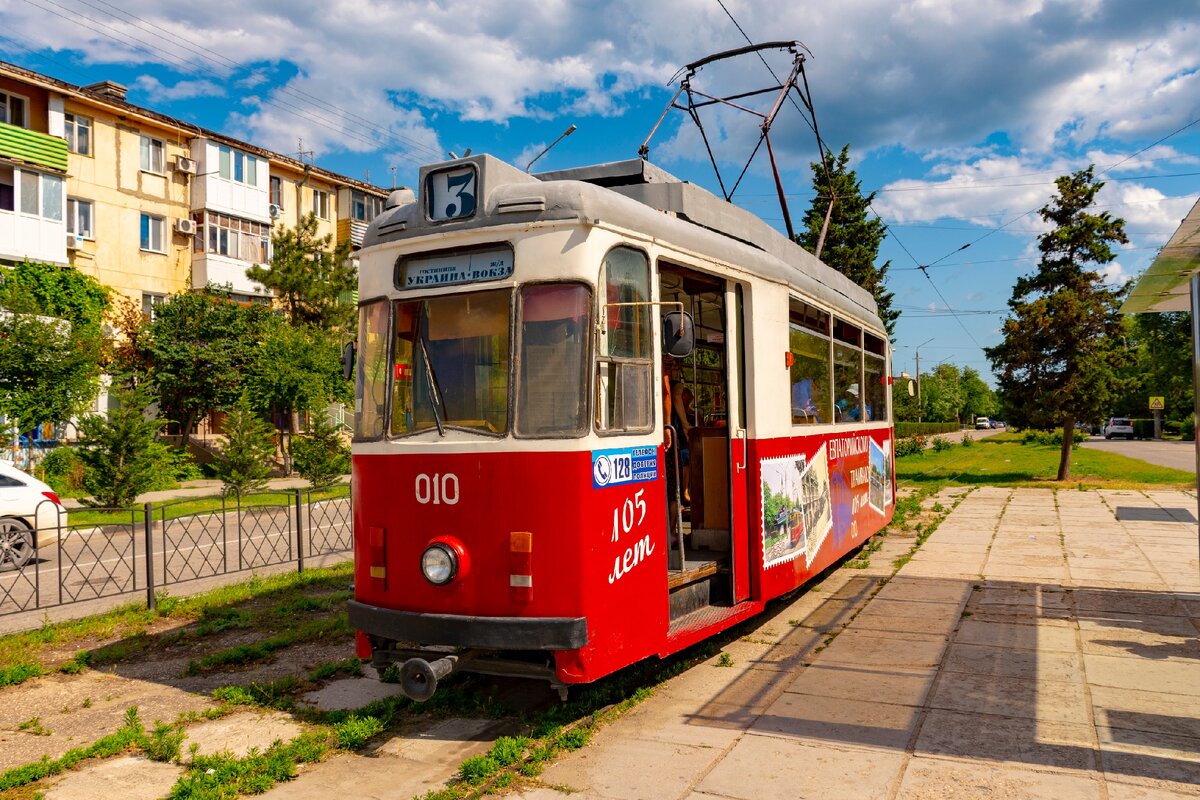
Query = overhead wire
x=153 y=52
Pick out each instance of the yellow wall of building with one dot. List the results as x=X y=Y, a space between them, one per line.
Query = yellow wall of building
x=112 y=178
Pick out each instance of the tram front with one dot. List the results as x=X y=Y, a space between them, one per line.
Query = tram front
x=480 y=543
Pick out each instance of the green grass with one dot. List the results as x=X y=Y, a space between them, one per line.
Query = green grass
x=1002 y=460
x=126 y=632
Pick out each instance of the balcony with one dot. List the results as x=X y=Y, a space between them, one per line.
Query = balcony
x=33 y=148
x=351 y=230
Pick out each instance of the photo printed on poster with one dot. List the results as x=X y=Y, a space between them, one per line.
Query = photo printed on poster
x=795 y=507
x=879 y=478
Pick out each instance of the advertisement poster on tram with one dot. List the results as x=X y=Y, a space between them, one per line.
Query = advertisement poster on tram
x=808 y=500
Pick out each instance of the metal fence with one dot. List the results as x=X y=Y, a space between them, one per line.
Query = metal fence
x=96 y=553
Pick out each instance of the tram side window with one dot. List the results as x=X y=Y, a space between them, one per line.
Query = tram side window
x=808 y=342
x=624 y=363
x=847 y=372
x=371 y=391
x=555 y=326
x=452 y=361
x=875 y=377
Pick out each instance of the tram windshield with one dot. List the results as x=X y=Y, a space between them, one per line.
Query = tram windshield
x=451 y=363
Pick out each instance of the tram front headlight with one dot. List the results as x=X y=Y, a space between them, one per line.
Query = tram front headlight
x=439 y=564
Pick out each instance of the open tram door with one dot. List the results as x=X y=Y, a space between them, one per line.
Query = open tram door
x=704 y=408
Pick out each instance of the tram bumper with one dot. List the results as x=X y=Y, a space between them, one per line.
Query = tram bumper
x=458 y=630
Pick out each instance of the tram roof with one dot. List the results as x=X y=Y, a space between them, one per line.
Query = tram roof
x=639 y=196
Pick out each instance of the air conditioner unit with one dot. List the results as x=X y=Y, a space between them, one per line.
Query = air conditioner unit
x=72 y=241
x=275 y=211
x=185 y=165
x=186 y=226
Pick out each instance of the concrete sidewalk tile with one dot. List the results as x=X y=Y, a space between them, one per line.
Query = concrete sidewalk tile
x=765 y=655
x=1115 y=577
x=1128 y=602
x=127 y=778
x=1053 y=636
x=1105 y=640
x=631 y=769
x=928 y=591
x=1135 y=672
x=937 y=778
x=907 y=687
x=1148 y=623
x=1119 y=789
x=361 y=777
x=864 y=723
x=739 y=687
x=1151 y=759
x=769 y=768
x=1053 y=701
x=905 y=627
x=677 y=721
x=239 y=733
x=868 y=649
x=1029 y=665
x=350 y=693
x=995 y=738
x=446 y=742
x=1148 y=711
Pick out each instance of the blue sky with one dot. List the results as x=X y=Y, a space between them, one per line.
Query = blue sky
x=959 y=113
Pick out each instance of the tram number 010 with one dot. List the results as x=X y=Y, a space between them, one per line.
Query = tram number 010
x=437 y=489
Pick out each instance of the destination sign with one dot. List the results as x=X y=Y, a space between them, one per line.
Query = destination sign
x=455 y=268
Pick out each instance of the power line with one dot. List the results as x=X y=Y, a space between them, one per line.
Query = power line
x=141 y=45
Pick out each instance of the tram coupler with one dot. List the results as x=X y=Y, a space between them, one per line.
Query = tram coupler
x=419 y=678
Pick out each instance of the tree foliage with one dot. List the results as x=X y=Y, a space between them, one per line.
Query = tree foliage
x=244 y=464
x=51 y=344
x=198 y=349
x=320 y=455
x=121 y=457
x=296 y=369
x=308 y=275
x=852 y=242
x=1058 y=361
x=1157 y=362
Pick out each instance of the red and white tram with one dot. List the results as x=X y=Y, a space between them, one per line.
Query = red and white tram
x=518 y=507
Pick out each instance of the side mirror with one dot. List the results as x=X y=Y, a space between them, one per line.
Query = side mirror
x=679 y=334
x=348 y=360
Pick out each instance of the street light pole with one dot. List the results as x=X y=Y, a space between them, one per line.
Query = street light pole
x=922 y=344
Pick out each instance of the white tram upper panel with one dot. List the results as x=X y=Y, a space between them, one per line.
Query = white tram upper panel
x=632 y=196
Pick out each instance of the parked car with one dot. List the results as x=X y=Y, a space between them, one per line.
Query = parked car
x=982 y=424
x=1119 y=426
x=27 y=507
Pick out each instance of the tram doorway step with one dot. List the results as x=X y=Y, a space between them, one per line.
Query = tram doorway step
x=708 y=588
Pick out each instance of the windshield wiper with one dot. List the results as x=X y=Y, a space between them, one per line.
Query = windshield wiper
x=435 y=390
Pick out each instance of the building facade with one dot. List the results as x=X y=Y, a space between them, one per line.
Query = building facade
x=148 y=204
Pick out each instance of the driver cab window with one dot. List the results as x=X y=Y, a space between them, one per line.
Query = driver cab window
x=624 y=362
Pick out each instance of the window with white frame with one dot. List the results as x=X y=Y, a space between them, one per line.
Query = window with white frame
x=8 y=188
x=150 y=302
x=41 y=195
x=14 y=109
x=79 y=217
x=78 y=134
x=321 y=203
x=152 y=154
x=234 y=165
x=231 y=236
x=152 y=228
x=364 y=207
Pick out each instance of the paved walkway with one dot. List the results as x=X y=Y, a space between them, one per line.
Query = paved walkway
x=1163 y=452
x=1039 y=645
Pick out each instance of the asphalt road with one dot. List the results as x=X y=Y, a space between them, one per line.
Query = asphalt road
x=1180 y=455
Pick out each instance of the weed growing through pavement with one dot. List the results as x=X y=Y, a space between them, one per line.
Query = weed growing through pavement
x=725 y=660
x=34 y=726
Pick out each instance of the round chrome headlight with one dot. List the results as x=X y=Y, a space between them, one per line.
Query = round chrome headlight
x=439 y=564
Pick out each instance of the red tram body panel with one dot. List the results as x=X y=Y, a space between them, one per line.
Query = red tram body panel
x=522 y=499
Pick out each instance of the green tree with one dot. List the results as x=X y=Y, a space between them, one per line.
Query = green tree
x=853 y=239
x=320 y=455
x=942 y=394
x=978 y=399
x=198 y=348
x=1157 y=362
x=1057 y=363
x=244 y=464
x=121 y=457
x=51 y=344
x=295 y=369
x=309 y=275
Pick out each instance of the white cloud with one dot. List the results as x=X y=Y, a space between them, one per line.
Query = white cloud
x=157 y=92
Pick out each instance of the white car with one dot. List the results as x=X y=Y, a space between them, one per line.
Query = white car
x=28 y=508
x=1119 y=426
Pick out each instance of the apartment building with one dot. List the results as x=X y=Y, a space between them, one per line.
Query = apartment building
x=145 y=203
